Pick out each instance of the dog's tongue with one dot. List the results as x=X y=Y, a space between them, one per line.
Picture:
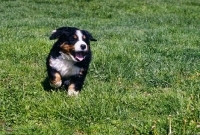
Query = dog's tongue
x=79 y=56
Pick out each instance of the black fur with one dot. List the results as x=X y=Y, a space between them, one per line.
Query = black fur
x=67 y=36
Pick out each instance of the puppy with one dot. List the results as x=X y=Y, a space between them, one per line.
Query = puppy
x=69 y=59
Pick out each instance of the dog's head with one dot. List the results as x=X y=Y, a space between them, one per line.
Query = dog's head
x=73 y=42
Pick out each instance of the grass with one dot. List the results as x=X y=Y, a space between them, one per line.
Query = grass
x=144 y=77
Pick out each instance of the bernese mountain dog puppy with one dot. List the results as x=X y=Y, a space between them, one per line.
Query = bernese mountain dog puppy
x=69 y=59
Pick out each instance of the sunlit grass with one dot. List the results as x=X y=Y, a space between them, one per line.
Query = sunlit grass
x=143 y=78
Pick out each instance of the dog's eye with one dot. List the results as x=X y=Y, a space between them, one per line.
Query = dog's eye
x=75 y=37
x=84 y=37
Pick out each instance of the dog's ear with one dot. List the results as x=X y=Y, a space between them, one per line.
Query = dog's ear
x=89 y=35
x=55 y=34
x=58 y=33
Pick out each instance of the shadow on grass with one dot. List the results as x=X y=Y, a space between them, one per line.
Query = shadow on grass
x=46 y=86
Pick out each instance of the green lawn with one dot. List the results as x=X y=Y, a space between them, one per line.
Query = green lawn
x=144 y=77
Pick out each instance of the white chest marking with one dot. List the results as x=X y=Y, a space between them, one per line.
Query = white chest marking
x=64 y=65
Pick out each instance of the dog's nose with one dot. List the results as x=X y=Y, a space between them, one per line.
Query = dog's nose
x=83 y=47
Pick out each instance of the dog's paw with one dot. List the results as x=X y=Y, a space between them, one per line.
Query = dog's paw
x=72 y=93
x=71 y=90
x=56 y=85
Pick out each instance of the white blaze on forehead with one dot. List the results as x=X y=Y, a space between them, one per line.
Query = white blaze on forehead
x=80 y=42
x=79 y=35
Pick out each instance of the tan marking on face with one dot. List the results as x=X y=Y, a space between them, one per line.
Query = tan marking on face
x=75 y=37
x=84 y=37
x=57 y=78
x=67 y=48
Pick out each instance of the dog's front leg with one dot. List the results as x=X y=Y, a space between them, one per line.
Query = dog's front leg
x=71 y=90
x=77 y=83
x=55 y=79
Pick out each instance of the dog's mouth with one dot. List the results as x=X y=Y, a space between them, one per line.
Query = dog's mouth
x=79 y=56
